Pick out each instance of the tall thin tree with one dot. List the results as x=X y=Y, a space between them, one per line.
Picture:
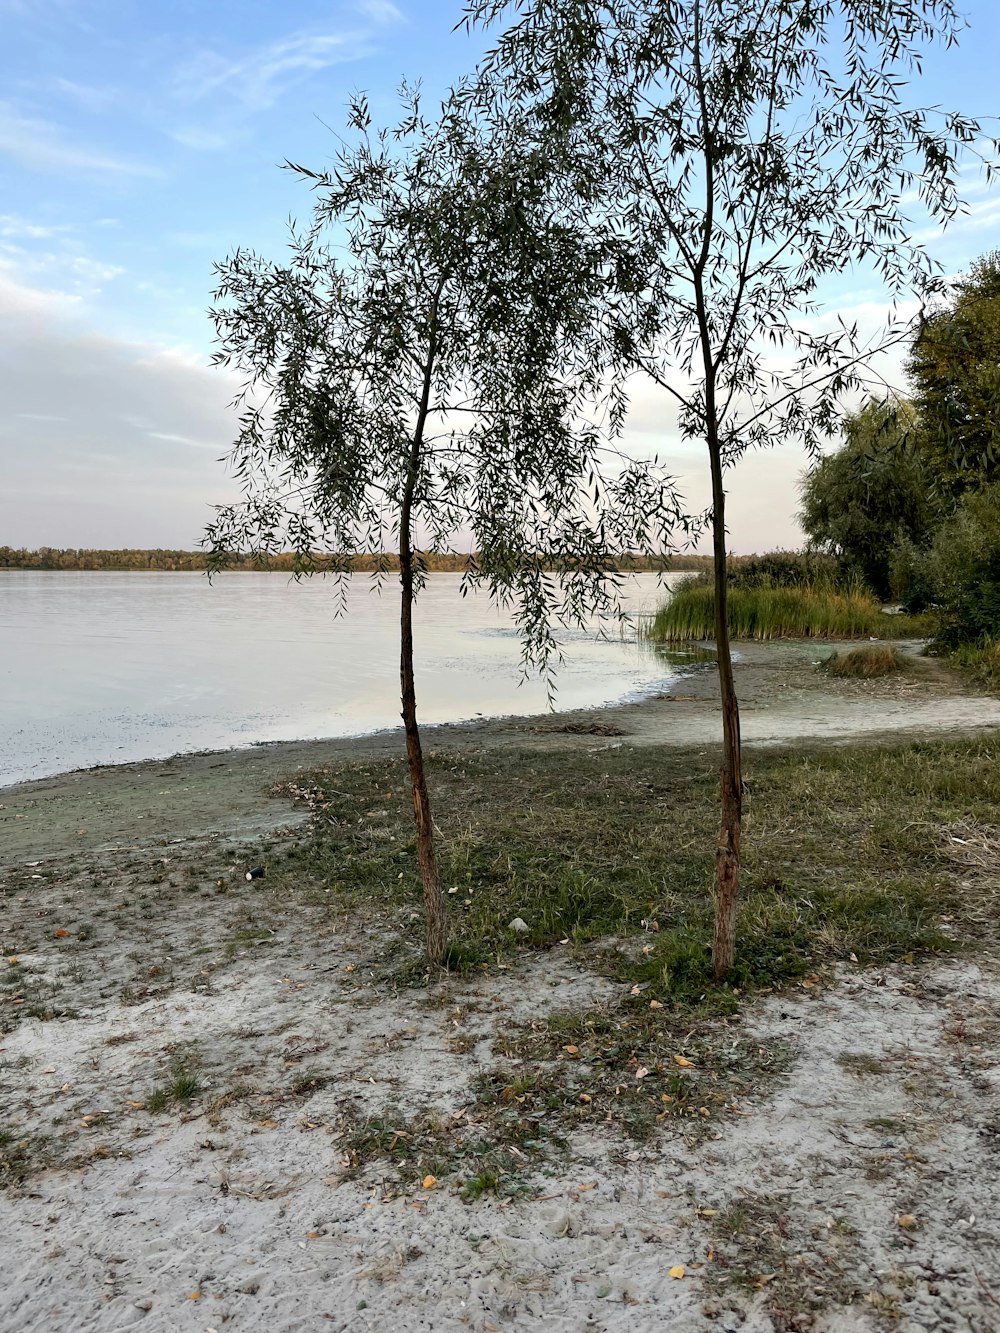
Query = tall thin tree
x=419 y=369
x=740 y=153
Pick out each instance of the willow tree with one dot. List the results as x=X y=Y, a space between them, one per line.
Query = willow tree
x=740 y=153
x=421 y=368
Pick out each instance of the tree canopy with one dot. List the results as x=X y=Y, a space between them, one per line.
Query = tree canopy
x=859 y=503
x=954 y=367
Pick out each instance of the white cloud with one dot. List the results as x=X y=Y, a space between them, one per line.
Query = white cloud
x=204 y=141
x=104 y=442
x=40 y=145
x=259 y=79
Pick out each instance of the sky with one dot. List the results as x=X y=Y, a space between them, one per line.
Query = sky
x=141 y=140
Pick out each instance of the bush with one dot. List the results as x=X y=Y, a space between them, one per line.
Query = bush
x=776 y=613
x=963 y=571
x=867 y=663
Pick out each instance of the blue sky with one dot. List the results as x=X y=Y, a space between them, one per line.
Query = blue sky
x=139 y=142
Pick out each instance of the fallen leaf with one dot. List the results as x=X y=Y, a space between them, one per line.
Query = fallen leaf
x=708 y=1212
x=61 y=934
x=585 y=1097
x=571 y=1050
x=12 y=960
x=683 y=1062
x=641 y=1072
x=429 y=1182
x=195 y=1296
x=581 y=1189
x=665 y=1097
x=655 y=1004
x=906 y=1220
x=312 y=1235
x=677 y=1271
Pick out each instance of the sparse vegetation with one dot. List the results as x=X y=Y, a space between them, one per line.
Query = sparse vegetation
x=867 y=663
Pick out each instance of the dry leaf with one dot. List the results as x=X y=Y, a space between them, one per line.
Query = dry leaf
x=677 y=1271
x=12 y=959
x=61 y=934
x=683 y=1062
x=655 y=1004
x=641 y=1072
x=708 y=1212
x=585 y=1097
x=195 y=1296
x=572 y=1050
x=429 y=1182
x=906 y=1220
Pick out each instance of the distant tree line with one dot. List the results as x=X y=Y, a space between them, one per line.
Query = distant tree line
x=50 y=557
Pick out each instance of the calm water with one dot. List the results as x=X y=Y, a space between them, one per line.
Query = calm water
x=100 y=668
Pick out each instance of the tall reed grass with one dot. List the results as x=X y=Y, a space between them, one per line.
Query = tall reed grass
x=780 y=613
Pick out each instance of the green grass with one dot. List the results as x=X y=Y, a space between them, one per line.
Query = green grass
x=844 y=853
x=781 y=613
x=183 y=1084
x=981 y=661
x=866 y=663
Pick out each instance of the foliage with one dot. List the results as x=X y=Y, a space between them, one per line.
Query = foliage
x=763 y=612
x=859 y=503
x=783 y=569
x=962 y=569
x=954 y=366
x=435 y=276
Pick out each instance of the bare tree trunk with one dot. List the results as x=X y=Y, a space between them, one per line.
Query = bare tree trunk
x=727 y=854
x=434 y=903
x=435 y=909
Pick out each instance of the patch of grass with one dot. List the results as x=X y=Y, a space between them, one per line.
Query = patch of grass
x=866 y=663
x=633 y=1066
x=183 y=1083
x=981 y=661
x=845 y=852
x=485 y=1148
x=762 y=612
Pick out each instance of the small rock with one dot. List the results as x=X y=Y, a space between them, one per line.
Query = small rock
x=144 y=1304
x=519 y=926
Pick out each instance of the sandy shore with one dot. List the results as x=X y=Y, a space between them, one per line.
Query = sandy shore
x=855 y=1193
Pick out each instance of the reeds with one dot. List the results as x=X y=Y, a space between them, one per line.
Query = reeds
x=780 y=613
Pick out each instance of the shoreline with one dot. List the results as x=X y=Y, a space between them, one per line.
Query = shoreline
x=784 y=699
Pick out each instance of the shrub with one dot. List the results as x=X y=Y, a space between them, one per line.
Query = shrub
x=867 y=663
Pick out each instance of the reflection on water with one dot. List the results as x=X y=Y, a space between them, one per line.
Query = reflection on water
x=114 y=667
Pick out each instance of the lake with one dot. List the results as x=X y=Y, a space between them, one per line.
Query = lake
x=100 y=668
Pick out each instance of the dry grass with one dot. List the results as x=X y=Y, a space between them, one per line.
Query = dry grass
x=866 y=663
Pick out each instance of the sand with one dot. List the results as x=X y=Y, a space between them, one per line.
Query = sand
x=858 y=1191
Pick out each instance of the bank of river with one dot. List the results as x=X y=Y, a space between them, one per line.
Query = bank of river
x=784 y=699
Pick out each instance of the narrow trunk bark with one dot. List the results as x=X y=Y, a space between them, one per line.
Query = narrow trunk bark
x=727 y=854
x=434 y=904
x=435 y=910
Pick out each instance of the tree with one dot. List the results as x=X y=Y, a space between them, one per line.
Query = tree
x=738 y=152
x=954 y=366
x=416 y=369
x=875 y=492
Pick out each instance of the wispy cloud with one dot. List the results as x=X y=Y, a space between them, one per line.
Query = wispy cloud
x=260 y=77
x=86 y=95
x=204 y=141
x=17 y=228
x=41 y=145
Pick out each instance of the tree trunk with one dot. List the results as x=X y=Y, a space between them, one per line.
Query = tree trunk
x=727 y=854
x=434 y=904
x=435 y=909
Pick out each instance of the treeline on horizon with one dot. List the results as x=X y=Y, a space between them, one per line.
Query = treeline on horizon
x=55 y=558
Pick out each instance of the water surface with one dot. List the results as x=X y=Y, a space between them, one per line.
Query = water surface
x=100 y=668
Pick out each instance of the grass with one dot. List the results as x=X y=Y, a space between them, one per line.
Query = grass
x=182 y=1086
x=781 y=613
x=866 y=663
x=842 y=856
x=981 y=661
